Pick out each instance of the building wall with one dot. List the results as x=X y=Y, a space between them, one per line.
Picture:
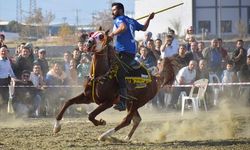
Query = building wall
x=230 y=12
x=194 y=11
x=163 y=20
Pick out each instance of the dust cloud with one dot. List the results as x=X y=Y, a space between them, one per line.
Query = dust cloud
x=227 y=121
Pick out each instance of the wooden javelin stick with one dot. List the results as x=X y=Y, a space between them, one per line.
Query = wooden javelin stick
x=162 y=10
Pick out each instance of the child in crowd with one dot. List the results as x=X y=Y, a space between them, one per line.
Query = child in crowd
x=228 y=76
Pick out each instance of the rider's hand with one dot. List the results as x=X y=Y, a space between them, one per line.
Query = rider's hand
x=151 y=16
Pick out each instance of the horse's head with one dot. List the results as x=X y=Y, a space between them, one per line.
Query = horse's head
x=97 y=41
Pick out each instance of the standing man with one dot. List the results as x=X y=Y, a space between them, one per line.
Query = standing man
x=125 y=44
x=6 y=73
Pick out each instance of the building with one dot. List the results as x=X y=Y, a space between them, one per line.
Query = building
x=216 y=18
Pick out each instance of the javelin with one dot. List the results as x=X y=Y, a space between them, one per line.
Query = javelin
x=162 y=10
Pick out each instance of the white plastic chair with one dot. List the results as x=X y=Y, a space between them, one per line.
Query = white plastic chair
x=201 y=84
x=213 y=78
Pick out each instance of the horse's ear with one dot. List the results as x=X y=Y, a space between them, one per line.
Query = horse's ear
x=107 y=32
x=100 y=28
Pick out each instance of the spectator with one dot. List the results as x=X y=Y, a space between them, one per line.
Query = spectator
x=190 y=40
x=42 y=62
x=83 y=69
x=67 y=56
x=56 y=77
x=2 y=38
x=152 y=50
x=73 y=79
x=189 y=34
x=228 y=76
x=36 y=77
x=23 y=62
x=35 y=52
x=202 y=71
x=146 y=58
x=76 y=55
x=158 y=43
x=183 y=57
x=201 y=46
x=24 y=95
x=167 y=50
x=196 y=54
x=239 y=55
x=244 y=76
x=185 y=76
x=224 y=54
x=213 y=57
x=147 y=37
x=175 y=41
x=6 y=73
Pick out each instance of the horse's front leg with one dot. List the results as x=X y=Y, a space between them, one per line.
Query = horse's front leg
x=80 y=99
x=97 y=111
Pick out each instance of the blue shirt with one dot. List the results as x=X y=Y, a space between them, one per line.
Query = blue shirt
x=125 y=41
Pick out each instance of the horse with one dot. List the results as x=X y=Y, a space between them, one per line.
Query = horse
x=102 y=87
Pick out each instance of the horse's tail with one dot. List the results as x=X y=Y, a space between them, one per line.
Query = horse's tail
x=170 y=67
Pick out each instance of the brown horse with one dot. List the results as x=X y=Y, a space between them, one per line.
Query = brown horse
x=104 y=91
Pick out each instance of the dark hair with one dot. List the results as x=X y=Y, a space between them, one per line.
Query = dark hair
x=230 y=62
x=2 y=35
x=119 y=6
x=159 y=40
x=26 y=72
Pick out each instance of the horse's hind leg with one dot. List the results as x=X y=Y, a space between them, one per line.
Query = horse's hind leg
x=136 y=121
x=97 y=111
x=76 y=100
x=125 y=122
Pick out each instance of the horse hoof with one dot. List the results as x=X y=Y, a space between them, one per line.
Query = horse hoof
x=127 y=138
x=105 y=135
x=57 y=127
x=102 y=122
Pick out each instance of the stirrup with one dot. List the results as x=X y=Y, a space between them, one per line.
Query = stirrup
x=121 y=106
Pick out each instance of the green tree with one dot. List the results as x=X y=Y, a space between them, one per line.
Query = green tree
x=14 y=26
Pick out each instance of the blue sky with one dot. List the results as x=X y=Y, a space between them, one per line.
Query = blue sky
x=62 y=8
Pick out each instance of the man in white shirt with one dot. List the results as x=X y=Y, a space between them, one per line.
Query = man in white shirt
x=6 y=73
x=185 y=76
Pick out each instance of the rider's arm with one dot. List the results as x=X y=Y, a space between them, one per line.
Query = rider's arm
x=146 y=24
x=122 y=27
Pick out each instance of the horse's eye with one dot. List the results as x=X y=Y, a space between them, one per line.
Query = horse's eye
x=101 y=36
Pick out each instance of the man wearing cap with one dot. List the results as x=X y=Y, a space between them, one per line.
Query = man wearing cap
x=6 y=73
x=125 y=45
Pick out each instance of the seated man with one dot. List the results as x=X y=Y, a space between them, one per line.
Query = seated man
x=24 y=95
x=185 y=76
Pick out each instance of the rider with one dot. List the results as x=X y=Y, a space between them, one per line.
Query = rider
x=125 y=45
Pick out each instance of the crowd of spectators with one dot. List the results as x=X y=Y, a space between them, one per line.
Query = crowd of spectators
x=37 y=80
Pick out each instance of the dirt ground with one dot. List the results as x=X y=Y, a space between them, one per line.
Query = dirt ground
x=220 y=128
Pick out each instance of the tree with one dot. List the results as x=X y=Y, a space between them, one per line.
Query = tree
x=176 y=24
x=14 y=26
x=37 y=24
x=104 y=19
x=65 y=33
x=242 y=28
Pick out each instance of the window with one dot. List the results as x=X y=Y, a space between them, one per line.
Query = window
x=226 y=26
x=204 y=26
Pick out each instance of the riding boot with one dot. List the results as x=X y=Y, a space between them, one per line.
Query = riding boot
x=121 y=106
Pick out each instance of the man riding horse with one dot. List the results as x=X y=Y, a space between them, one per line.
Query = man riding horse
x=125 y=45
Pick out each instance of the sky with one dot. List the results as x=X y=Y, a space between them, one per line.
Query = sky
x=62 y=9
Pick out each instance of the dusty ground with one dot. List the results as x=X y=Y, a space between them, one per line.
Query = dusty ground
x=221 y=128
